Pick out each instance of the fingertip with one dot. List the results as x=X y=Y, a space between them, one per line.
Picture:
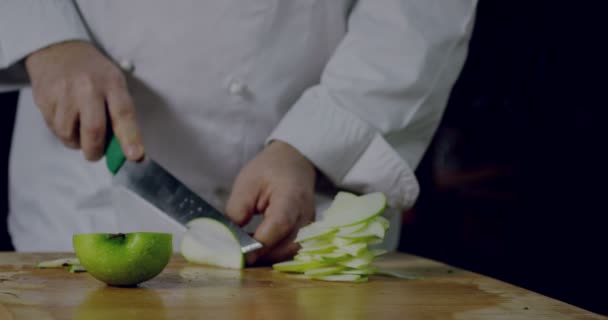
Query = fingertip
x=134 y=152
x=251 y=258
x=240 y=207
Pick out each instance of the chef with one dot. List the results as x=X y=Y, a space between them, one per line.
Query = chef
x=255 y=105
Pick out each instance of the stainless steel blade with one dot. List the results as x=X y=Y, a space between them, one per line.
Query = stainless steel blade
x=160 y=188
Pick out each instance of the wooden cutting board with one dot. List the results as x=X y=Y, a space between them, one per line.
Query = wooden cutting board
x=188 y=291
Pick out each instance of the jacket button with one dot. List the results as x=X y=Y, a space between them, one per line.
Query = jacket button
x=127 y=65
x=236 y=88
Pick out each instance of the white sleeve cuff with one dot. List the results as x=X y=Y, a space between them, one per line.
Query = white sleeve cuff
x=29 y=25
x=346 y=149
x=381 y=169
x=329 y=136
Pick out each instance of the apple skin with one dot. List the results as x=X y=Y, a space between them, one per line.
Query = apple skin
x=123 y=259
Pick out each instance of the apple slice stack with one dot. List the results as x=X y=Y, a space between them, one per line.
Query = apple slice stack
x=337 y=248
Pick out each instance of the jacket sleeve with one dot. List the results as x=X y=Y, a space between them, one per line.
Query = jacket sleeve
x=29 y=25
x=368 y=122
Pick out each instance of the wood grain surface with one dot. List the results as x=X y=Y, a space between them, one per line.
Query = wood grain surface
x=188 y=291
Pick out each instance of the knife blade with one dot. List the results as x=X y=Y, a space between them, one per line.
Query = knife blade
x=156 y=185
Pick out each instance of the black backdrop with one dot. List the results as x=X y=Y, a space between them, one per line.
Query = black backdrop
x=7 y=113
x=514 y=183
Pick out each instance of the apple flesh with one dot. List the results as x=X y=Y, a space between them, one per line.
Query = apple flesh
x=123 y=259
x=210 y=242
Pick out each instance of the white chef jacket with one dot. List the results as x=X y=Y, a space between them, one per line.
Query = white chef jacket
x=358 y=87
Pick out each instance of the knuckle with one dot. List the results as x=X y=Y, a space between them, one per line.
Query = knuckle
x=63 y=133
x=43 y=103
x=115 y=78
x=59 y=87
x=68 y=142
x=124 y=112
x=94 y=132
x=41 y=96
x=239 y=219
x=282 y=224
x=85 y=83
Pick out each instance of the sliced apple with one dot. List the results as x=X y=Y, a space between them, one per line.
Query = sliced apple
x=58 y=263
x=352 y=229
x=372 y=229
x=313 y=231
x=337 y=247
x=297 y=266
x=384 y=221
x=357 y=262
x=342 y=200
x=320 y=249
x=333 y=257
x=304 y=257
x=354 y=249
x=358 y=210
x=343 y=278
x=342 y=242
x=319 y=242
x=326 y=271
x=210 y=242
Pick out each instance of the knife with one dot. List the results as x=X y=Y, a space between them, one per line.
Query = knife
x=160 y=188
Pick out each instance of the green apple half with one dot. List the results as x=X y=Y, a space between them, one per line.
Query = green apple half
x=123 y=259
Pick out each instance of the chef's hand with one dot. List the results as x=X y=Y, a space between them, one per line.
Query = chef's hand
x=75 y=86
x=278 y=183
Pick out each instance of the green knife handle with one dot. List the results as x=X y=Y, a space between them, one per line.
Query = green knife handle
x=115 y=158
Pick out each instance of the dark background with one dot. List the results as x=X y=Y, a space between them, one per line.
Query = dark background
x=7 y=115
x=513 y=185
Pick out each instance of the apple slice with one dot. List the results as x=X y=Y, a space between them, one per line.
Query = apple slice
x=341 y=201
x=361 y=271
x=313 y=231
x=297 y=266
x=358 y=210
x=304 y=257
x=343 y=278
x=342 y=242
x=326 y=271
x=332 y=257
x=320 y=249
x=76 y=268
x=354 y=249
x=316 y=242
x=384 y=221
x=58 y=263
x=373 y=229
x=352 y=229
x=360 y=261
x=210 y=242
